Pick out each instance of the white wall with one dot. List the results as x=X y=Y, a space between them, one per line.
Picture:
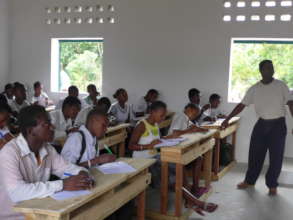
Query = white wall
x=4 y=42
x=170 y=45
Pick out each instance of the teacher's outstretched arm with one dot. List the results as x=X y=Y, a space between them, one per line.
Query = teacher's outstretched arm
x=239 y=108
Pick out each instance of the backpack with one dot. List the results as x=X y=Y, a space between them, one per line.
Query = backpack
x=83 y=146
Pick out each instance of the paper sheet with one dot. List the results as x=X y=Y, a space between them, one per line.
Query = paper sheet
x=170 y=142
x=63 y=195
x=116 y=168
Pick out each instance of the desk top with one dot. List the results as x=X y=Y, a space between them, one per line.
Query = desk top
x=217 y=124
x=117 y=127
x=104 y=183
x=191 y=139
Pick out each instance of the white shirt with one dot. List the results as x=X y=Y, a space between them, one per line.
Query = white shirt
x=89 y=101
x=9 y=101
x=121 y=114
x=73 y=145
x=82 y=116
x=60 y=104
x=212 y=112
x=42 y=99
x=22 y=177
x=180 y=122
x=60 y=123
x=140 y=106
x=16 y=107
x=269 y=99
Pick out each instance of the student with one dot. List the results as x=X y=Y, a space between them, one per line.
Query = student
x=73 y=92
x=194 y=98
x=40 y=97
x=9 y=93
x=63 y=120
x=142 y=106
x=29 y=162
x=92 y=98
x=212 y=111
x=5 y=135
x=120 y=109
x=81 y=147
x=103 y=105
x=145 y=137
x=20 y=98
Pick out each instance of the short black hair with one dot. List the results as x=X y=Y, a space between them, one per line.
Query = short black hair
x=262 y=63
x=72 y=88
x=18 y=86
x=118 y=92
x=71 y=101
x=104 y=101
x=37 y=84
x=8 y=86
x=28 y=116
x=158 y=105
x=193 y=92
x=96 y=113
x=3 y=100
x=5 y=108
x=92 y=86
x=214 y=97
x=192 y=106
x=153 y=91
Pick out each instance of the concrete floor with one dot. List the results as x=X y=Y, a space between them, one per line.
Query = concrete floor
x=252 y=204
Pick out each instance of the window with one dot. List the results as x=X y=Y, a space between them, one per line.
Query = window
x=76 y=62
x=245 y=57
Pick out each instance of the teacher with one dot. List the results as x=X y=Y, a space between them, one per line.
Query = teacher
x=270 y=97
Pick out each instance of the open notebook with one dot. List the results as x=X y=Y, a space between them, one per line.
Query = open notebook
x=170 y=142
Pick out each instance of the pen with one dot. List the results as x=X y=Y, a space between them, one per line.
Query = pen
x=67 y=174
x=108 y=149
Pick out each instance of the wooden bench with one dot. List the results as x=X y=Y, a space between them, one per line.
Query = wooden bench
x=110 y=193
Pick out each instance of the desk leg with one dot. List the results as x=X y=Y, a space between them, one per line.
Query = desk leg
x=216 y=165
x=208 y=167
x=179 y=184
x=164 y=188
x=233 y=144
x=141 y=206
x=122 y=149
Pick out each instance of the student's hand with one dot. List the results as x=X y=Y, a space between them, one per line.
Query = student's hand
x=105 y=158
x=198 y=129
x=225 y=123
x=155 y=142
x=82 y=181
x=174 y=135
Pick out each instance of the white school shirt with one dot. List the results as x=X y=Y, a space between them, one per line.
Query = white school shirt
x=89 y=101
x=212 y=112
x=121 y=114
x=60 y=123
x=16 y=107
x=180 y=122
x=73 y=145
x=9 y=101
x=22 y=177
x=140 y=106
x=42 y=99
x=269 y=99
x=60 y=103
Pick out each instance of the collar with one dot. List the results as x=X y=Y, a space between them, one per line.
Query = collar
x=25 y=150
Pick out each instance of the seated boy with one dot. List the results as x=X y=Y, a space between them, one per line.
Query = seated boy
x=212 y=111
x=81 y=147
x=29 y=162
x=73 y=92
x=92 y=98
x=20 y=99
x=9 y=93
x=63 y=120
x=5 y=135
x=143 y=104
x=40 y=97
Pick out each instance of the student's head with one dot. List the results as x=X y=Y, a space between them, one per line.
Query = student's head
x=215 y=100
x=19 y=92
x=121 y=95
x=3 y=100
x=266 y=68
x=192 y=111
x=97 y=123
x=194 y=96
x=70 y=107
x=34 y=123
x=9 y=90
x=73 y=91
x=4 y=115
x=103 y=104
x=38 y=87
x=152 y=95
x=92 y=90
x=158 y=110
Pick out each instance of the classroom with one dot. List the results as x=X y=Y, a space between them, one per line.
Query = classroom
x=207 y=109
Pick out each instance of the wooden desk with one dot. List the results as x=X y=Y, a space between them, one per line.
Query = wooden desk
x=220 y=135
x=115 y=136
x=196 y=145
x=50 y=108
x=110 y=193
